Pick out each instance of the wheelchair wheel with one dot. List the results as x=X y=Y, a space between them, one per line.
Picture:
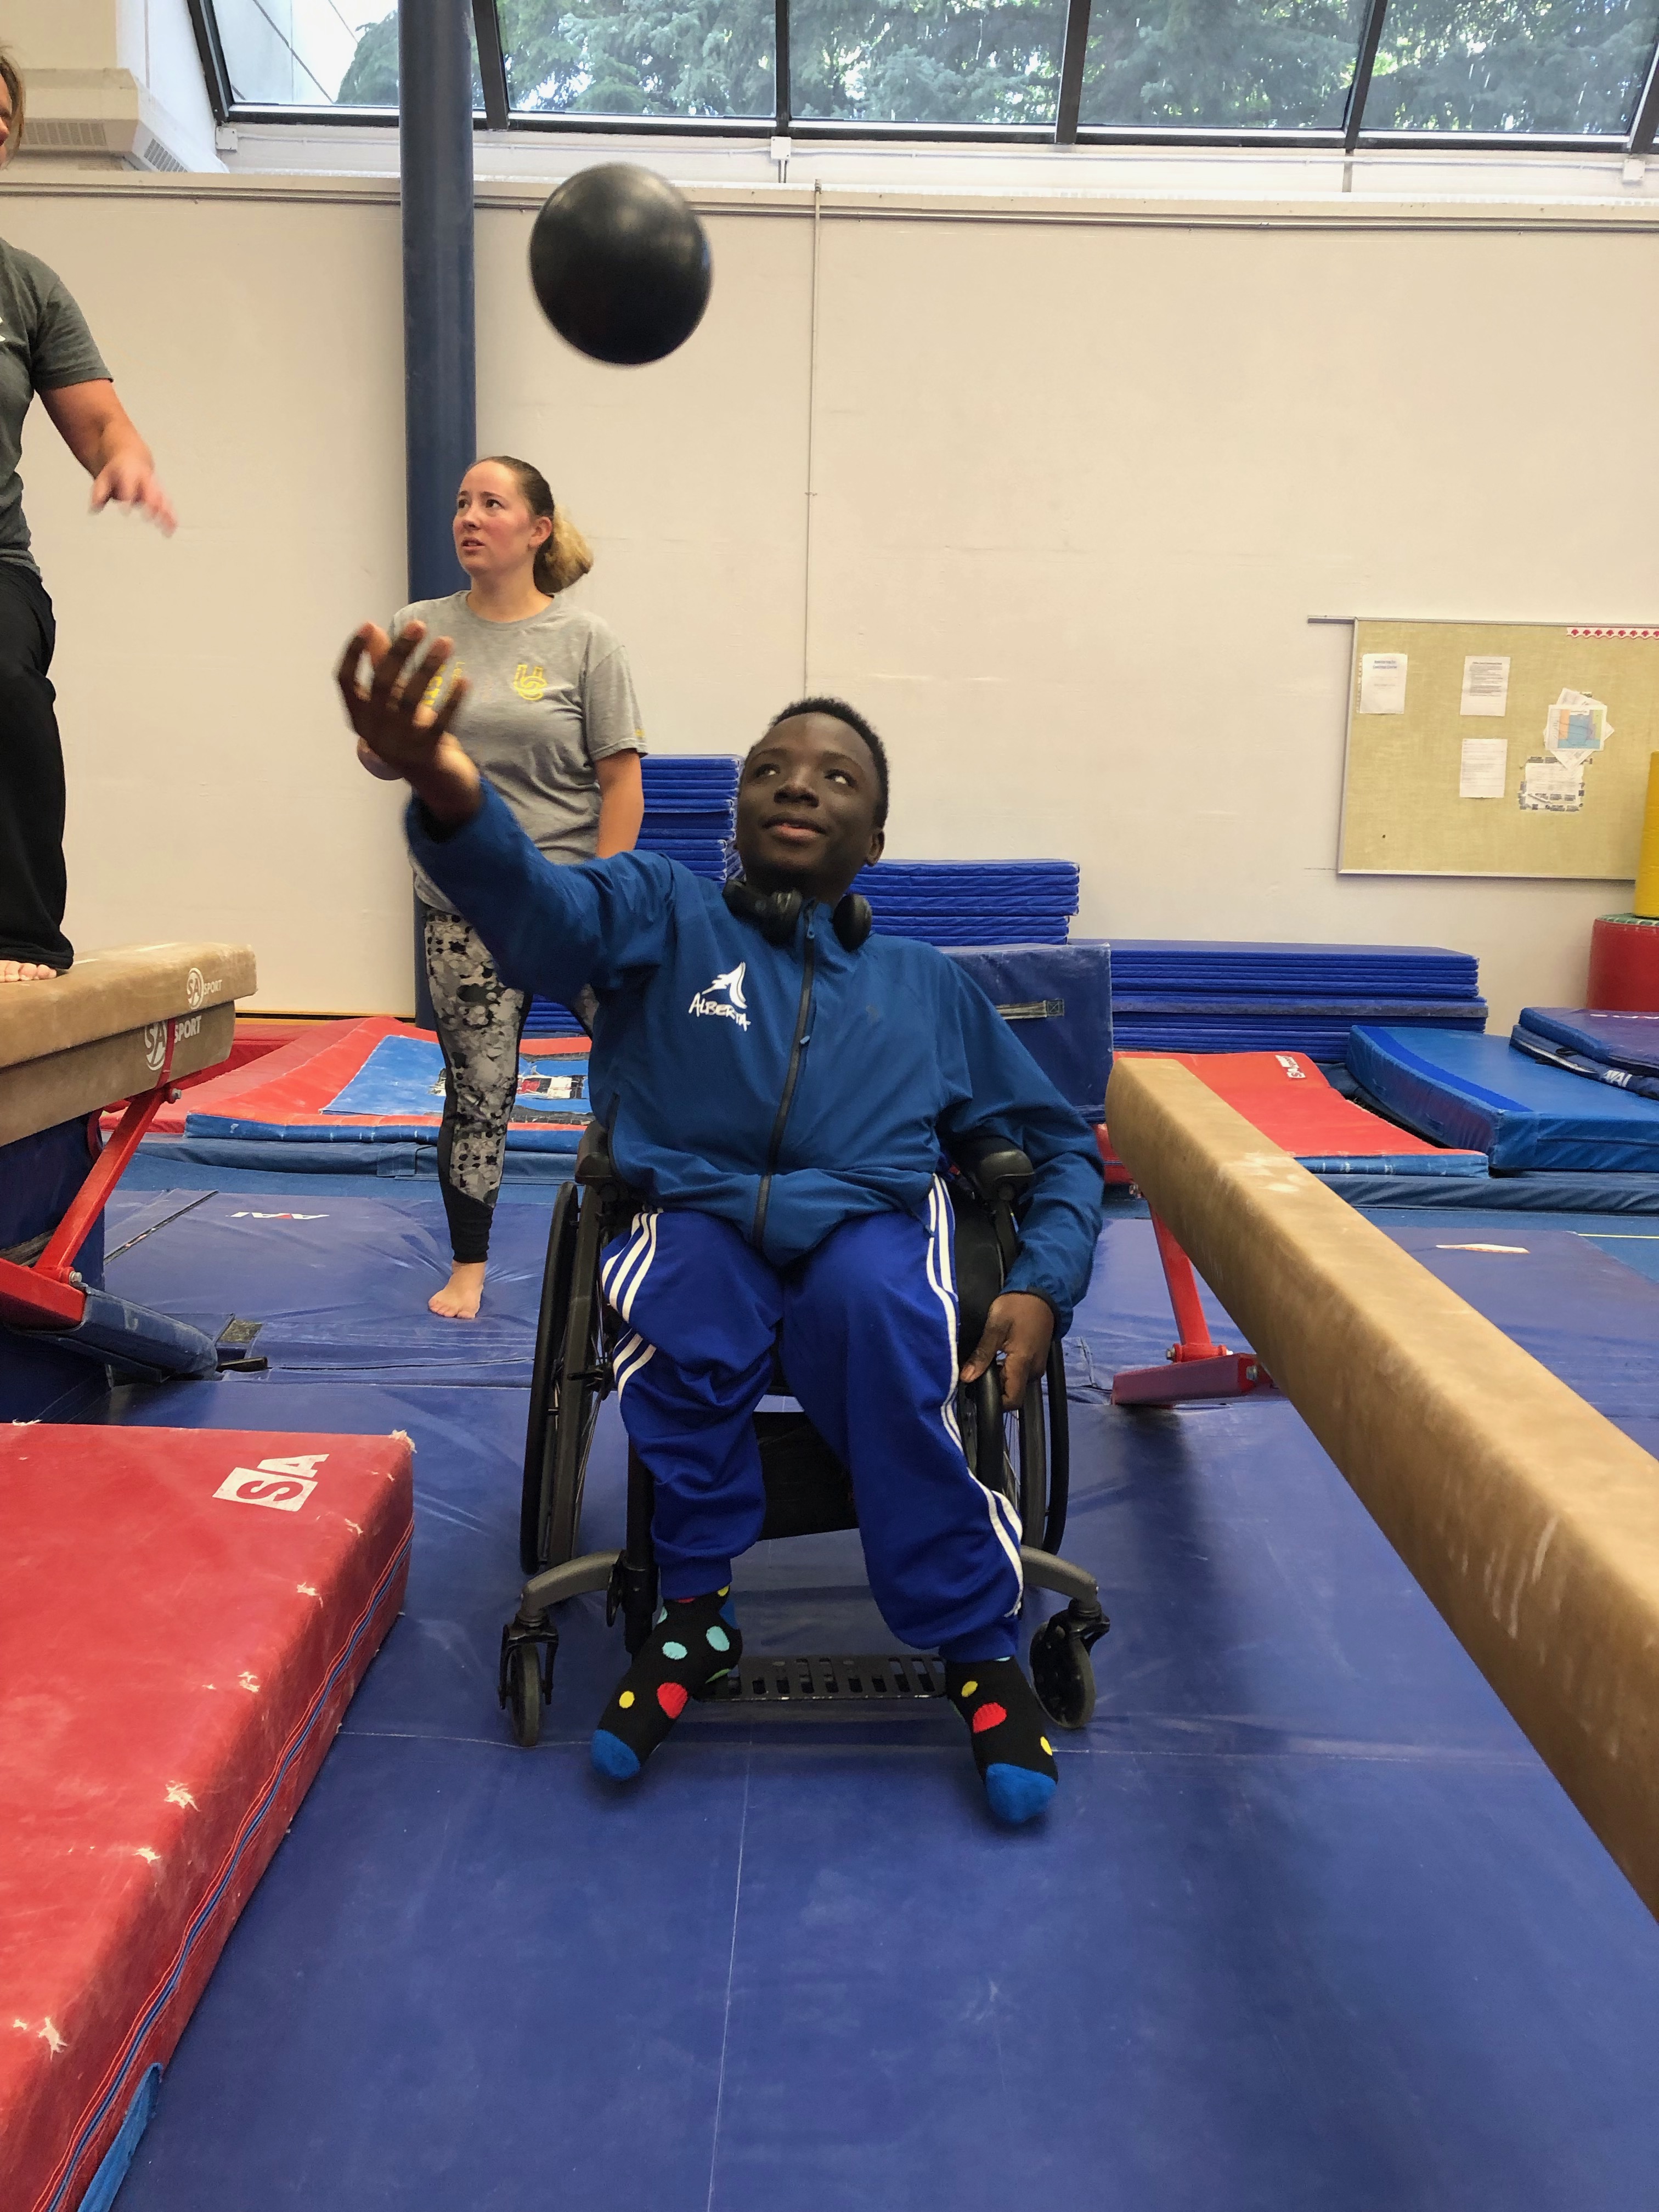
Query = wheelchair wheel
x=1031 y=1442
x=524 y=1693
x=1059 y=1451
x=543 y=1380
x=580 y=1383
x=985 y=1436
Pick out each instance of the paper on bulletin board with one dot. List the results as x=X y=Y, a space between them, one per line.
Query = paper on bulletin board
x=1576 y=727
x=1549 y=786
x=1485 y=683
x=1483 y=768
x=1383 y=683
x=1407 y=807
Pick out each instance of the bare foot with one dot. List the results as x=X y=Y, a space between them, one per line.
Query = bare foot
x=24 y=972
x=459 y=1296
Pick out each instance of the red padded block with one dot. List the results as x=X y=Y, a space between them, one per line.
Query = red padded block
x=182 y=1626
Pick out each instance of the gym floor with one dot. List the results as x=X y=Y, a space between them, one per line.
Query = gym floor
x=1310 y=1925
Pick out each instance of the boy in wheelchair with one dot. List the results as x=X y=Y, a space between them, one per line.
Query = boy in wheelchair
x=781 y=1085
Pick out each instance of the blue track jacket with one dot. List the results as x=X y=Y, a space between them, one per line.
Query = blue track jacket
x=786 y=1088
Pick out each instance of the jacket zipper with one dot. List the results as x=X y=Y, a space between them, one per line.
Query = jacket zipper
x=803 y=1016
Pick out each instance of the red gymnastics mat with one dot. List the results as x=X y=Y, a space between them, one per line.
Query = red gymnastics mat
x=377 y=1078
x=184 y=1616
x=1285 y=1096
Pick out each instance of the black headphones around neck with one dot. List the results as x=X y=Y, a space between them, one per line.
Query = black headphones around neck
x=777 y=912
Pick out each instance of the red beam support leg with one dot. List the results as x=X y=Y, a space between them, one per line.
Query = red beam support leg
x=1196 y=1366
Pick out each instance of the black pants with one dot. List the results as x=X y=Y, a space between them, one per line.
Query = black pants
x=33 y=880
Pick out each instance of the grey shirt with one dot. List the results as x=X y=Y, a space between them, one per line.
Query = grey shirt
x=43 y=343
x=548 y=697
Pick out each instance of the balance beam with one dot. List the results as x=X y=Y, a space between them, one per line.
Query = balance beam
x=117 y=1023
x=1530 y=1520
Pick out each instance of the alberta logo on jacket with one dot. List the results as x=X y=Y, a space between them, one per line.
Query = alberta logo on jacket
x=724 y=996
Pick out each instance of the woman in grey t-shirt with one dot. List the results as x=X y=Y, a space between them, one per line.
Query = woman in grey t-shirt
x=45 y=348
x=551 y=718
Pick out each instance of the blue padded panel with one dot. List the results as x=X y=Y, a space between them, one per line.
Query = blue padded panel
x=1072 y=1048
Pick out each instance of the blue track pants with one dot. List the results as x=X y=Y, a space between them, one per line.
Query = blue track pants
x=868 y=1328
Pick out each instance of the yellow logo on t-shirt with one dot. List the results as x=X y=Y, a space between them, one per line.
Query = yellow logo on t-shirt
x=530 y=683
x=440 y=683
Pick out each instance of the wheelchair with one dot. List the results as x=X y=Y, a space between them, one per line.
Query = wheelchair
x=1024 y=1454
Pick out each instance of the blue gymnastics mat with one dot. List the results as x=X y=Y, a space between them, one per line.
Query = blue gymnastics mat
x=1317 y=1927
x=1630 y=1041
x=1194 y=968
x=1481 y=1093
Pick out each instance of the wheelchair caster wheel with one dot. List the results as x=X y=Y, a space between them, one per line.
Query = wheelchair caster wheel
x=1062 y=1673
x=524 y=1692
x=525 y=1681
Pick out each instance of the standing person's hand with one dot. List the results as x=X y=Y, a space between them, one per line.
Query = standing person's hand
x=130 y=480
x=103 y=437
x=395 y=724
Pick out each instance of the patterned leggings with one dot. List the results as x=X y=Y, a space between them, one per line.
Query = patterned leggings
x=480 y=1022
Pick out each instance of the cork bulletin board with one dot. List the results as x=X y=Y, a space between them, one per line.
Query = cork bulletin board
x=1497 y=749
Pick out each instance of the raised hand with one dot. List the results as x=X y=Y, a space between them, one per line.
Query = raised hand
x=397 y=727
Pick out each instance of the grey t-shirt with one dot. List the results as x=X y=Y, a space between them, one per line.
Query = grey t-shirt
x=43 y=344
x=548 y=696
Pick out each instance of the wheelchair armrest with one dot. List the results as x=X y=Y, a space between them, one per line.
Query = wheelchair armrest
x=593 y=1162
x=999 y=1172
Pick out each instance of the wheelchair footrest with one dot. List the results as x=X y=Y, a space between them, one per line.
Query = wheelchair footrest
x=903 y=1678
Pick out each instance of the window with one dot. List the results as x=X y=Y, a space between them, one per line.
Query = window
x=310 y=54
x=648 y=58
x=1569 y=66
x=963 y=62
x=1547 y=69
x=1238 y=65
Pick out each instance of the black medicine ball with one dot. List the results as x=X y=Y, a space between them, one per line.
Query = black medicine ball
x=620 y=264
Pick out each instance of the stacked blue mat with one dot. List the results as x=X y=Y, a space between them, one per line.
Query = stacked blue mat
x=973 y=902
x=688 y=798
x=1172 y=994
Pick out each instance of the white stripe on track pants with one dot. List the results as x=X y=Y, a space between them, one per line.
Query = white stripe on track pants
x=868 y=1324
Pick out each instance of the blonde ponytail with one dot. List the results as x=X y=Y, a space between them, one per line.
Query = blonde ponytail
x=567 y=556
x=565 y=559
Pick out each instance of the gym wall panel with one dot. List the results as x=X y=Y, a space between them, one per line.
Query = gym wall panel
x=1077 y=486
x=1080 y=485
x=688 y=477
x=213 y=788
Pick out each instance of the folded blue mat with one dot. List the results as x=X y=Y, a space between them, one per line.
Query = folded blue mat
x=1201 y=967
x=1246 y=1024
x=1478 y=1093
x=1627 y=1041
x=1058 y=1000
x=1576 y=1063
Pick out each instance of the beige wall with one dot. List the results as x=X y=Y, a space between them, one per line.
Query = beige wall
x=1077 y=486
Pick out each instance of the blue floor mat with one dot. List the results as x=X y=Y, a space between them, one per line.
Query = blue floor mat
x=338 y=1278
x=1310 y=1927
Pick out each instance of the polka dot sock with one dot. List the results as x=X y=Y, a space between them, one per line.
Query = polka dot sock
x=693 y=1640
x=1009 y=1731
